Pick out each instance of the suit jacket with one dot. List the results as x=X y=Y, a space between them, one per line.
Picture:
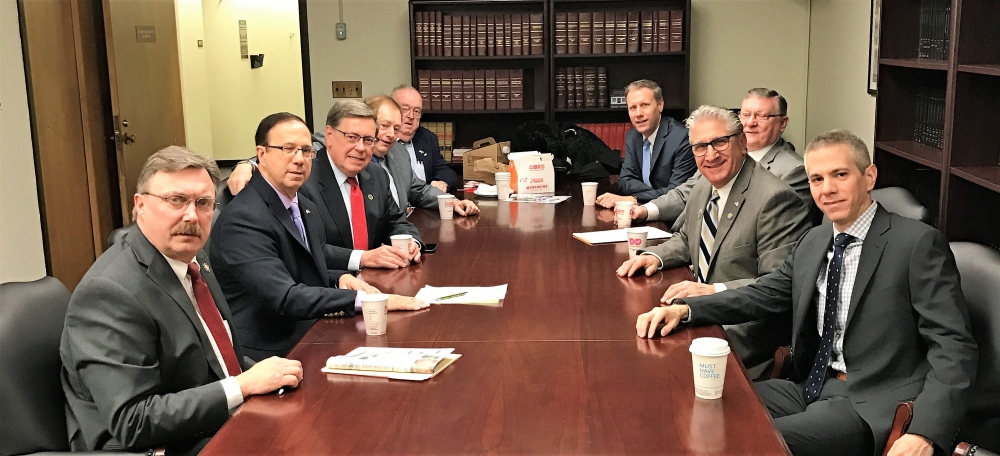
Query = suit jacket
x=672 y=164
x=383 y=216
x=781 y=160
x=758 y=226
x=428 y=152
x=908 y=335
x=139 y=370
x=411 y=189
x=277 y=286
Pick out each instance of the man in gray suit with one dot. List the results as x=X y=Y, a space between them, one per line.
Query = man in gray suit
x=878 y=318
x=149 y=359
x=406 y=188
x=741 y=224
x=764 y=115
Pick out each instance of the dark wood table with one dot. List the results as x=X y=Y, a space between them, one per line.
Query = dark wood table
x=557 y=369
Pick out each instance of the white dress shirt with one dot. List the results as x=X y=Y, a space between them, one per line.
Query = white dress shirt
x=354 y=263
x=418 y=167
x=756 y=155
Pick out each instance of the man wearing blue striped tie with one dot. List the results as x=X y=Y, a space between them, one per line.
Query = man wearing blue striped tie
x=741 y=222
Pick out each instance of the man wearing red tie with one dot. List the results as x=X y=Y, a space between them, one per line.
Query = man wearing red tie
x=149 y=358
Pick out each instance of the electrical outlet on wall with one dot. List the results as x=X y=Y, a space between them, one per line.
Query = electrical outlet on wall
x=346 y=89
x=341 y=31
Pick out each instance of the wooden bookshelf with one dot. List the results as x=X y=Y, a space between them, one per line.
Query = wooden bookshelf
x=955 y=64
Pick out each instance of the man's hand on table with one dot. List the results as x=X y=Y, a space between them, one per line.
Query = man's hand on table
x=645 y=325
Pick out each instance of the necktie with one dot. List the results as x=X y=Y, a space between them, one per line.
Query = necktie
x=392 y=185
x=647 y=157
x=708 y=230
x=814 y=384
x=358 y=223
x=210 y=313
x=297 y=220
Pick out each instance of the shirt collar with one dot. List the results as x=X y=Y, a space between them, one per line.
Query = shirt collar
x=285 y=200
x=652 y=135
x=724 y=191
x=757 y=155
x=859 y=229
x=341 y=177
x=180 y=268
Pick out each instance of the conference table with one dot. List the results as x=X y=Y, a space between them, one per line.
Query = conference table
x=556 y=369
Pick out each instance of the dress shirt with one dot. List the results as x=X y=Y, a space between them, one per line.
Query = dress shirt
x=354 y=263
x=849 y=271
x=234 y=395
x=652 y=143
x=392 y=185
x=759 y=154
x=418 y=167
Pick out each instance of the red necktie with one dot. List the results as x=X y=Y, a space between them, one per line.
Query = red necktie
x=358 y=222
x=210 y=313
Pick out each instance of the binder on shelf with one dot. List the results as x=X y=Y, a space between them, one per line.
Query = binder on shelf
x=537 y=44
x=503 y=89
x=517 y=89
x=586 y=44
x=597 y=33
x=515 y=34
x=491 y=89
x=480 y=90
x=621 y=32
x=560 y=35
x=633 y=32
x=572 y=33
x=646 y=31
x=468 y=90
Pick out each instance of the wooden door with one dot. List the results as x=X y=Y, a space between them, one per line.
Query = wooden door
x=145 y=81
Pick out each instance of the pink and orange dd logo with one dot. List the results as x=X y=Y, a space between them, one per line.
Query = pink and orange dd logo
x=636 y=242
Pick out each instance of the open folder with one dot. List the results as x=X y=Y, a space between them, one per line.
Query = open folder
x=619 y=235
x=484 y=296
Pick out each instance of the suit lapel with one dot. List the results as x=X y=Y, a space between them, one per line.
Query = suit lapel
x=333 y=199
x=728 y=214
x=814 y=257
x=314 y=230
x=768 y=158
x=160 y=273
x=661 y=139
x=871 y=254
x=270 y=197
x=700 y=194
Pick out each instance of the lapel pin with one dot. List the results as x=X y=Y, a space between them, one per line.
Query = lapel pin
x=737 y=204
x=729 y=215
x=207 y=269
x=370 y=197
x=700 y=212
x=307 y=212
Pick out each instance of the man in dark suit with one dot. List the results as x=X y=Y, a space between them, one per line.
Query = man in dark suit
x=269 y=248
x=421 y=145
x=764 y=115
x=741 y=224
x=878 y=317
x=149 y=358
x=657 y=154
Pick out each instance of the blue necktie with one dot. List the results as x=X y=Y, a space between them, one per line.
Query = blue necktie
x=647 y=157
x=814 y=384
x=297 y=220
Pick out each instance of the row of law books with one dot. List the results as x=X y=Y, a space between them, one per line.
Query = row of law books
x=472 y=90
x=935 y=24
x=582 y=87
x=619 y=32
x=613 y=134
x=445 y=133
x=928 y=117
x=473 y=35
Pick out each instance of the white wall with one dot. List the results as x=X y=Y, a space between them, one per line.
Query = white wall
x=838 y=69
x=376 y=51
x=194 y=76
x=239 y=96
x=22 y=256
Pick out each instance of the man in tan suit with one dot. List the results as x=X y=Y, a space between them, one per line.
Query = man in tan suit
x=740 y=223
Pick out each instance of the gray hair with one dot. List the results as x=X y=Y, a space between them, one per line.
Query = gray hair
x=646 y=84
x=726 y=116
x=349 y=108
x=171 y=159
x=859 y=151
x=762 y=92
x=402 y=87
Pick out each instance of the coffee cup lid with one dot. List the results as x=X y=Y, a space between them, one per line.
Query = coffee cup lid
x=401 y=236
x=588 y=183
x=446 y=196
x=501 y=175
x=374 y=297
x=709 y=346
x=624 y=203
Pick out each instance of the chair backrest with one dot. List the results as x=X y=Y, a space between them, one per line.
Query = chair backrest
x=980 y=269
x=32 y=402
x=898 y=200
x=222 y=194
x=119 y=234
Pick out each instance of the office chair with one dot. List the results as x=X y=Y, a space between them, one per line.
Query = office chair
x=902 y=202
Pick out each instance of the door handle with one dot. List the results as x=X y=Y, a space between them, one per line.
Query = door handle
x=129 y=139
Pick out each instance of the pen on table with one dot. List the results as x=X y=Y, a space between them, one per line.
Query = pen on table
x=452 y=296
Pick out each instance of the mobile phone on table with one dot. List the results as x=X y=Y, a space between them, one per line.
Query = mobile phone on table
x=430 y=248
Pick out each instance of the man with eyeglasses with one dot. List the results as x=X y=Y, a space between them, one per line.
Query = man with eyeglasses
x=740 y=224
x=764 y=117
x=422 y=146
x=149 y=352
x=657 y=155
x=271 y=245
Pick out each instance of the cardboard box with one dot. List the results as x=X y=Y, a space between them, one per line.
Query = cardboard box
x=491 y=157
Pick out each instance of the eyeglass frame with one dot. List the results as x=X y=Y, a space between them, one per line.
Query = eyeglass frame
x=367 y=140
x=186 y=201
x=704 y=145
x=751 y=115
x=415 y=112
x=289 y=151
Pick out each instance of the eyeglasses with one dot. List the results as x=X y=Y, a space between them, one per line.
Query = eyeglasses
x=719 y=144
x=288 y=151
x=181 y=202
x=353 y=138
x=745 y=116
x=415 y=112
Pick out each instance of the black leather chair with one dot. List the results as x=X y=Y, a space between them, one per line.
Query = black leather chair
x=902 y=202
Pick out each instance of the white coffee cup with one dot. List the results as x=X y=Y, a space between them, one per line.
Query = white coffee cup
x=374 y=307
x=637 y=238
x=589 y=193
x=623 y=213
x=708 y=359
x=446 y=205
x=401 y=241
x=503 y=185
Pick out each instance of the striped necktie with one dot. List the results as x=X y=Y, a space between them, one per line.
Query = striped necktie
x=708 y=230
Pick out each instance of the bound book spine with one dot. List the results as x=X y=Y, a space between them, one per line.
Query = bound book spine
x=445 y=90
x=633 y=32
x=503 y=89
x=435 y=90
x=437 y=34
x=663 y=31
x=468 y=90
x=621 y=32
x=498 y=35
x=525 y=34
x=480 y=90
x=646 y=32
x=560 y=35
x=571 y=88
x=491 y=37
x=446 y=36
x=424 y=84
x=561 y=88
x=573 y=33
x=515 y=34
x=481 y=35
x=586 y=42
x=597 y=32
x=507 y=35
x=579 y=86
x=457 y=99
x=467 y=41
x=590 y=87
x=418 y=32
x=491 y=90
x=602 y=87
x=517 y=89
x=537 y=35
x=676 y=31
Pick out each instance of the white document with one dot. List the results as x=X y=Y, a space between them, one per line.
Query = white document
x=619 y=235
x=462 y=295
x=544 y=199
x=392 y=363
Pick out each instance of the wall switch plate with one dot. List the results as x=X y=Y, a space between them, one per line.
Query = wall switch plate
x=346 y=89
x=341 y=31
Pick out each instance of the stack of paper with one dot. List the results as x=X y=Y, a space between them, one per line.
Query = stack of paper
x=486 y=296
x=393 y=363
x=619 y=235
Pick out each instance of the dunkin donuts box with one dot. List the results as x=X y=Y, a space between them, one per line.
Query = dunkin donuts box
x=531 y=173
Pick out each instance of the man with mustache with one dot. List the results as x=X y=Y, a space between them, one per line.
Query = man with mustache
x=407 y=189
x=741 y=224
x=270 y=246
x=420 y=144
x=148 y=351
